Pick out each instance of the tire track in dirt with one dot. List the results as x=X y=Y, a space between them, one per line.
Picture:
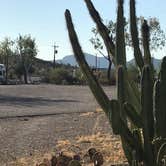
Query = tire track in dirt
x=41 y=115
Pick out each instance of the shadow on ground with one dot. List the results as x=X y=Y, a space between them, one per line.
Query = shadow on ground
x=31 y=101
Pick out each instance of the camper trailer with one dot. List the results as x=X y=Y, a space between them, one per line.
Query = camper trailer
x=2 y=73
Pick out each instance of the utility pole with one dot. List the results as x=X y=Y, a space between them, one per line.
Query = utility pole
x=55 y=52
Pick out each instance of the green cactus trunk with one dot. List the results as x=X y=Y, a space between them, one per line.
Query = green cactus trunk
x=120 y=52
x=98 y=92
x=160 y=102
x=103 y=30
x=147 y=114
x=134 y=35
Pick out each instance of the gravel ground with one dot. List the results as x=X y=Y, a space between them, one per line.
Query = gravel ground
x=34 y=117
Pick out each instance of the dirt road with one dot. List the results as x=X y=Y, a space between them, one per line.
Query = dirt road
x=34 y=117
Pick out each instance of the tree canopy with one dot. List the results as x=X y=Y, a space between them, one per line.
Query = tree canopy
x=157 y=35
x=27 y=50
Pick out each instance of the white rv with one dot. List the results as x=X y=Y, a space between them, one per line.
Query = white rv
x=2 y=73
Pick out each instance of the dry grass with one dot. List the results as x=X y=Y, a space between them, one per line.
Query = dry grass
x=30 y=161
x=86 y=114
x=108 y=145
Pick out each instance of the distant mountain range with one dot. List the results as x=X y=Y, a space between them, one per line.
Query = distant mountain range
x=101 y=61
x=156 y=63
x=91 y=59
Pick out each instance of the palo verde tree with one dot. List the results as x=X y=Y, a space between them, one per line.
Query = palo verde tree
x=157 y=37
x=27 y=50
x=138 y=114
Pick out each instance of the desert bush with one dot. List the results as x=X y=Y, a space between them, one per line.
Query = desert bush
x=104 y=80
x=61 y=76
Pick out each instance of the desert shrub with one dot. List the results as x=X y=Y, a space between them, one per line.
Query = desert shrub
x=104 y=80
x=60 y=76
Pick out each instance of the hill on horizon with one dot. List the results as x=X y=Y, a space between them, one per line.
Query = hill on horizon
x=91 y=59
x=101 y=61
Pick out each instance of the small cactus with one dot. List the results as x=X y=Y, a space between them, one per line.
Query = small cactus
x=76 y=157
x=98 y=159
x=63 y=160
x=91 y=152
x=74 y=163
x=53 y=161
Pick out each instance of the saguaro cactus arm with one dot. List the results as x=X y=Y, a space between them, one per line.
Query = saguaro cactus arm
x=121 y=92
x=147 y=113
x=103 y=30
x=96 y=89
x=120 y=127
x=146 y=46
x=134 y=35
x=120 y=52
x=114 y=117
x=160 y=103
x=132 y=114
x=146 y=38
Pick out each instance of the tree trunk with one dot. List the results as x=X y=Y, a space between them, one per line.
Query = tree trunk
x=25 y=76
x=109 y=72
x=7 y=66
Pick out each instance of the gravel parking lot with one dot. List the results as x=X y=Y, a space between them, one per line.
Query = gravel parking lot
x=34 y=117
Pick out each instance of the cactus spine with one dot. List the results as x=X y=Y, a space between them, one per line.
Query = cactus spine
x=143 y=108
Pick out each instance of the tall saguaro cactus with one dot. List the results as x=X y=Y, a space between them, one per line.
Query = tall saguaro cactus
x=143 y=108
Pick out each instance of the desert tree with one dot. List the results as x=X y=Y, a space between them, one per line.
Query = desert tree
x=5 y=54
x=27 y=51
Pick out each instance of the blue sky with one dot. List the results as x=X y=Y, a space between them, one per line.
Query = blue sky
x=44 y=20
